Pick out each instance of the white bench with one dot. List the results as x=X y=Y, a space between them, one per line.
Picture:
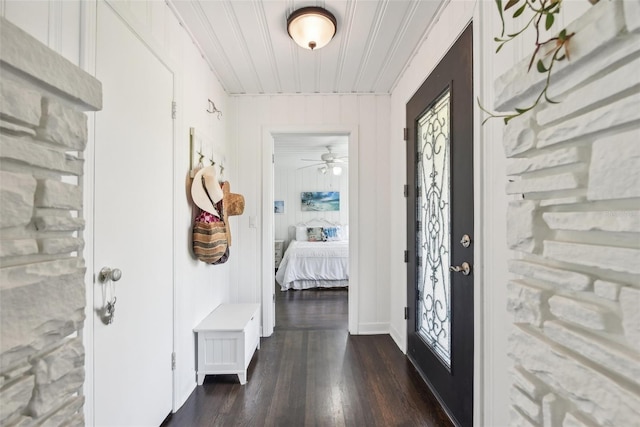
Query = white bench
x=227 y=339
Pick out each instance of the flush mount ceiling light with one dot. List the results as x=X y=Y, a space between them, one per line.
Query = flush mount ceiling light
x=311 y=27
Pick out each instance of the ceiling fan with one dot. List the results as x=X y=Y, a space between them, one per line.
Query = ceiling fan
x=329 y=161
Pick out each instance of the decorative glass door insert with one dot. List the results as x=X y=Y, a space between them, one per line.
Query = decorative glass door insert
x=434 y=228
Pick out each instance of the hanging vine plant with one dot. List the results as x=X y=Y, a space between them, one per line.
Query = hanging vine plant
x=546 y=53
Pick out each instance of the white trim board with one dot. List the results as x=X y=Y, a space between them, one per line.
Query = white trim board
x=267 y=270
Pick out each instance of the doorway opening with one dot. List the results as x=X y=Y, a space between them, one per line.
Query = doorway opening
x=311 y=235
x=308 y=176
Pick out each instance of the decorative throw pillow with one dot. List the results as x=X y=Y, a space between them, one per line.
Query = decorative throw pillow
x=330 y=234
x=314 y=234
x=301 y=233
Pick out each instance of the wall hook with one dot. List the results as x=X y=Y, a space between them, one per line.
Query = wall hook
x=212 y=109
x=200 y=157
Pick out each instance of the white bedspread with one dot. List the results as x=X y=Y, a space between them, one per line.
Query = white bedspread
x=314 y=264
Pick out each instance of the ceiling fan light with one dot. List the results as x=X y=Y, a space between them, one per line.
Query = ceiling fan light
x=322 y=170
x=337 y=170
x=311 y=27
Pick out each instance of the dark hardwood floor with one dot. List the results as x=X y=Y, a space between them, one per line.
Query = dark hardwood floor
x=311 y=372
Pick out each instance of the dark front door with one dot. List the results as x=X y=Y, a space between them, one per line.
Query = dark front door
x=440 y=230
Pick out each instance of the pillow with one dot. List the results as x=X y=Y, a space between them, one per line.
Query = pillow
x=330 y=234
x=301 y=233
x=314 y=234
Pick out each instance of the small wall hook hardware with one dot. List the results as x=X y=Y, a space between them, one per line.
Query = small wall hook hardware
x=212 y=109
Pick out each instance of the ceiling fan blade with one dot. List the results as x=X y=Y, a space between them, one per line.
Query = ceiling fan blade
x=310 y=166
x=311 y=160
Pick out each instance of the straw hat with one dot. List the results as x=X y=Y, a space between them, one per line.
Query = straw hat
x=206 y=181
x=232 y=204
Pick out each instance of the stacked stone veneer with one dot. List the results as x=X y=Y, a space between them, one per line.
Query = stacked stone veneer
x=574 y=227
x=43 y=132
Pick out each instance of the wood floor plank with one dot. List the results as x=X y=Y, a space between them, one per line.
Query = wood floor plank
x=311 y=372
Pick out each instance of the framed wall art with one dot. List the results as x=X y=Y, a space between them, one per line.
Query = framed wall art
x=320 y=201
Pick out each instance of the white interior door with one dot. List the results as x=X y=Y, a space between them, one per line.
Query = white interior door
x=133 y=228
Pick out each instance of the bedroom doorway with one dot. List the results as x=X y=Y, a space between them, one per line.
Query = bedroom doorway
x=314 y=174
x=311 y=216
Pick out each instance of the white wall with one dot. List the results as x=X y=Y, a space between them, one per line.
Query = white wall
x=369 y=114
x=56 y=24
x=290 y=181
x=66 y=27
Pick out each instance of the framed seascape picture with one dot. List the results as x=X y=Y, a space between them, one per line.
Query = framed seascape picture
x=320 y=201
x=278 y=206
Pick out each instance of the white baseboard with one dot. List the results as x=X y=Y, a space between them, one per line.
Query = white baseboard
x=399 y=339
x=378 y=328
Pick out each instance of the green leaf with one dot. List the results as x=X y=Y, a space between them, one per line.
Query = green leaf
x=561 y=57
x=549 y=21
x=519 y=11
x=499 y=47
x=563 y=35
x=549 y=100
x=499 y=5
x=523 y=110
x=541 y=67
x=510 y=4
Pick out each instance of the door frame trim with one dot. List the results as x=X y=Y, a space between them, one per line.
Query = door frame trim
x=87 y=59
x=267 y=218
x=491 y=323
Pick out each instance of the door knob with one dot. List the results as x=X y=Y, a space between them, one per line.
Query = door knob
x=464 y=268
x=466 y=241
x=107 y=273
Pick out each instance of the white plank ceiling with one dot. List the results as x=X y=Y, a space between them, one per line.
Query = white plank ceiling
x=247 y=45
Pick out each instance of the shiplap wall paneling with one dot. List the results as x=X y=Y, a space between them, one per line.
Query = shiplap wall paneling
x=359 y=111
x=290 y=181
x=54 y=23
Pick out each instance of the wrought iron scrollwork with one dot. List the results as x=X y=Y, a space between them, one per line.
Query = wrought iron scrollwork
x=434 y=239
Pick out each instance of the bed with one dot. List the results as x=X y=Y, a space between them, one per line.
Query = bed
x=320 y=261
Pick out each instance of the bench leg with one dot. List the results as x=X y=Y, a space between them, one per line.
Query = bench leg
x=243 y=378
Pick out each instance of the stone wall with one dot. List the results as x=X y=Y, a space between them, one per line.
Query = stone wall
x=43 y=132
x=574 y=227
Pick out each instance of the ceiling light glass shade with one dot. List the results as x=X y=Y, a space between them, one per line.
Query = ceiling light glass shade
x=337 y=170
x=322 y=170
x=311 y=27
